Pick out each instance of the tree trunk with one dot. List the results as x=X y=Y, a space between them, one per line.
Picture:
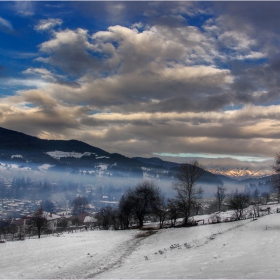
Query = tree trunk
x=141 y=222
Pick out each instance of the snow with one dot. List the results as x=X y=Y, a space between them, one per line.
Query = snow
x=6 y=166
x=243 y=249
x=89 y=219
x=109 y=202
x=240 y=173
x=60 y=154
x=101 y=157
x=44 y=167
x=3 y=166
x=225 y=250
x=73 y=255
x=16 y=156
x=102 y=167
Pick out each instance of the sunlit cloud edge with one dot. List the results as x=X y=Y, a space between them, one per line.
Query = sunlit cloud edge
x=215 y=156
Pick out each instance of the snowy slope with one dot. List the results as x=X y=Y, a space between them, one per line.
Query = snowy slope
x=73 y=255
x=229 y=250
x=245 y=249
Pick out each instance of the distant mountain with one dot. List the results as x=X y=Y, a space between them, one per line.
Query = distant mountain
x=60 y=154
x=239 y=173
x=78 y=157
x=158 y=163
x=256 y=180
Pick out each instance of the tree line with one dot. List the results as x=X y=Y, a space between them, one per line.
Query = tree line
x=146 y=200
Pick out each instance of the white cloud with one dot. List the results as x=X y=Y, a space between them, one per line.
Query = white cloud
x=75 y=39
x=46 y=24
x=162 y=85
x=137 y=25
x=43 y=73
x=5 y=23
x=25 y=83
x=24 y=8
x=115 y=10
x=215 y=156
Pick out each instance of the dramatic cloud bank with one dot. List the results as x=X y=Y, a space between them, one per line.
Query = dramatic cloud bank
x=178 y=80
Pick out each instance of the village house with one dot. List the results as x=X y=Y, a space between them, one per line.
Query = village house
x=52 y=220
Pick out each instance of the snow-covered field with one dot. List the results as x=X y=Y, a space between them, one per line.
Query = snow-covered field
x=244 y=249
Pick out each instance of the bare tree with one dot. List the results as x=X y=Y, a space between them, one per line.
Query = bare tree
x=143 y=199
x=115 y=219
x=198 y=206
x=238 y=203
x=125 y=211
x=12 y=229
x=160 y=210
x=4 y=225
x=173 y=211
x=105 y=217
x=256 y=210
x=275 y=181
x=265 y=196
x=185 y=186
x=79 y=205
x=48 y=205
x=62 y=223
x=39 y=221
x=220 y=196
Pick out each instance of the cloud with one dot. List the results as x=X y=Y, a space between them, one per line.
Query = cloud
x=116 y=10
x=46 y=24
x=252 y=131
x=257 y=85
x=150 y=81
x=69 y=50
x=5 y=24
x=18 y=54
x=125 y=67
x=123 y=13
x=38 y=109
x=141 y=61
x=14 y=82
x=44 y=74
x=215 y=156
x=255 y=16
x=24 y=8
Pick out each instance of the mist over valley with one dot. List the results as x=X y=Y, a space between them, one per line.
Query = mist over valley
x=60 y=170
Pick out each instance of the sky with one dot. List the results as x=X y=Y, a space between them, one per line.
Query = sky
x=176 y=80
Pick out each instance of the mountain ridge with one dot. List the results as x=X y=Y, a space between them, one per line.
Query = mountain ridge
x=73 y=155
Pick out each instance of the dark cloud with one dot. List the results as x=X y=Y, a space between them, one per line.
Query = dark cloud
x=92 y=122
x=70 y=51
x=72 y=84
x=261 y=16
x=258 y=84
x=187 y=103
x=171 y=21
x=156 y=77
x=133 y=141
x=74 y=62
